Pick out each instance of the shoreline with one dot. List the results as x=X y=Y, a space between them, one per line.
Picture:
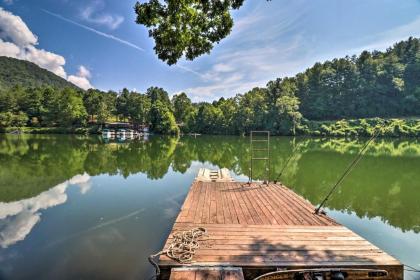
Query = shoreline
x=347 y=128
x=92 y=132
x=51 y=130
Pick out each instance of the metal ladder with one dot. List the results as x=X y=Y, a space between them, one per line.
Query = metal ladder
x=260 y=151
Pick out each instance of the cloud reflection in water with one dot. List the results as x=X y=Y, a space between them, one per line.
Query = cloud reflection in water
x=19 y=217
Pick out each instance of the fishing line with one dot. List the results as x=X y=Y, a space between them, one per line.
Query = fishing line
x=411 y=268
x=348 y=169
x=99 y=226
x=288 y=160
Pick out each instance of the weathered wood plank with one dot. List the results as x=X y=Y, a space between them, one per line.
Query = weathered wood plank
x=239 y=214
x=253 y=208
x=232 y=274
x=182 y=275
x=206 y=209
x=198 y=273
x=265 y=207
x=219 y=205
x=242 y=227
x=213 y=205
x=208 y=275
x=264 y=227
x=261 y=261
x=200 y=206
x=226 y=209
x=240 y=200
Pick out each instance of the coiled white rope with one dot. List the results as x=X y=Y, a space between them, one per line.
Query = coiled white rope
x=182 y=247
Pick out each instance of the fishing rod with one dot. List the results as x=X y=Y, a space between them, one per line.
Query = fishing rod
x=347 y=171
x=411 y=268
x=292 y=155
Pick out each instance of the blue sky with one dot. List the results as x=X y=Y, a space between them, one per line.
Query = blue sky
x=97 y=43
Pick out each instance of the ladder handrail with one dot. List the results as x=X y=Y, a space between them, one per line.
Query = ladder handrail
x=264 y=133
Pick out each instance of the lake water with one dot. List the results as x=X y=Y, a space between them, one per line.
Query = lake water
x=75 y=207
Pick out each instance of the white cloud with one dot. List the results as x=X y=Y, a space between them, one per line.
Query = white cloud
x=18 y=41
x=83 y=181
x=19 y=217
x=262 y=48
x=386 y=39
x=257 y=51
x=14 y=229
x=45 y=59
x=237 y=71
x=13 y=29
x=81 y=79
x=223 y=67
x=8 y=49
x=92 y=14
x=84 y=72
x=81 y=82
x=228 y=88
x=246 y=22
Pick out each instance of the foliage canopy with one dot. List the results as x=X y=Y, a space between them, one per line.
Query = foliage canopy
x=15 y=72
x=186 y=27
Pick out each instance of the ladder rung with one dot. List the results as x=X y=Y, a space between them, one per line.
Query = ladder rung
x=260 y=158
x=259 y=140
x=265 y=149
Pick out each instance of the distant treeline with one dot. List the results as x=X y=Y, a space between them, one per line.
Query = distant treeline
x=371 y=85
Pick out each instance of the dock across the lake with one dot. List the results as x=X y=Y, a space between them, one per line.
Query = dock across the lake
x=254 y=229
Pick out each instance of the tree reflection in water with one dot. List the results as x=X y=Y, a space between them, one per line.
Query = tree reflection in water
x=385 y=184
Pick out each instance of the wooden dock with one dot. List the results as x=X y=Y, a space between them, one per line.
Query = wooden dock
x=260 y=228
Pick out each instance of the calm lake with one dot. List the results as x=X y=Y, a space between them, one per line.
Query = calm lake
x=76 y=207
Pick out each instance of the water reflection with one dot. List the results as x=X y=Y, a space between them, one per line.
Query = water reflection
x=140 y=185
x=384 y=184
x=19 y=217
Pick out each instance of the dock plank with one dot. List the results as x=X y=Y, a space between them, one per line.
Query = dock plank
x=226 y=209
x=260 y=227
x=238 y=210
x=210 y=273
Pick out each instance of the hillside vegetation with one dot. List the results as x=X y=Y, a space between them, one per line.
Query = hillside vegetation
x=15 y=72
x=351 y=96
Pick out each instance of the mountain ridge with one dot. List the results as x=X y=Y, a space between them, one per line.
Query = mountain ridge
x=17 y=72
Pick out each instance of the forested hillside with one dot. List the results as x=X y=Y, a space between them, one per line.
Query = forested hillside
x=378 y=84
x=15 y=72
x=347 y=96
